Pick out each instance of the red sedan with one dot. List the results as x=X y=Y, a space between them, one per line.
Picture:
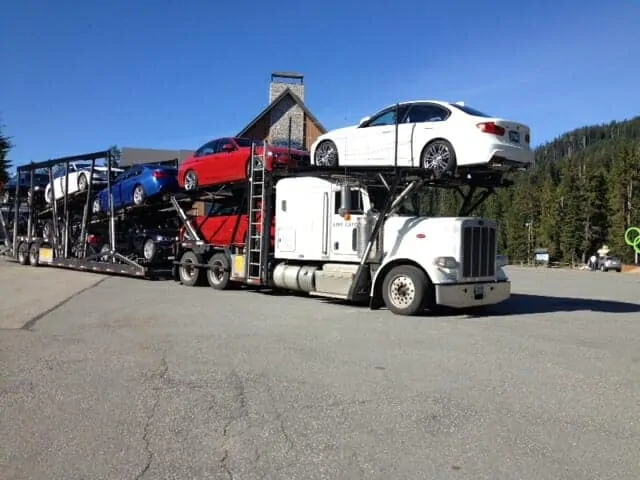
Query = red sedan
x=226 y=160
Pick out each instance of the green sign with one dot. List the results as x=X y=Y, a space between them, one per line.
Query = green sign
x=632 y=238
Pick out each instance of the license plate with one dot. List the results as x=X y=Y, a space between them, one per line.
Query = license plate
x=514 y=136
x=478 y=290
x=45 y=255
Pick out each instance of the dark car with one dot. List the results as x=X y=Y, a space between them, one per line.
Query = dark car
x=40 y=182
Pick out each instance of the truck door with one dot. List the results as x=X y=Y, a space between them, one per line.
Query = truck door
x=344 y=231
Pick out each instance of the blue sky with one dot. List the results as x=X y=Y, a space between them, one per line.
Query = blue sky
x=79 y=76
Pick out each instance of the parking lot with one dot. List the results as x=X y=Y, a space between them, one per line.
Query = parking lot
x=138 y=379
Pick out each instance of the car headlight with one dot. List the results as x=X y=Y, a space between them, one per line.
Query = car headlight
x=445 y=262
x=273 y=154
x=160 y=238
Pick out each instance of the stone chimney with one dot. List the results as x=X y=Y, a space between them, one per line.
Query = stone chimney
x=280 y=81
x=287 y=118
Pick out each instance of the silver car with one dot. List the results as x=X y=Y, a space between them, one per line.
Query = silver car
x=610 y=263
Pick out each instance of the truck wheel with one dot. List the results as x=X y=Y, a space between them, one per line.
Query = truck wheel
x=34 y=254
x=404 y=290
x=189 y=274
x=23 y=253
x=219 y=272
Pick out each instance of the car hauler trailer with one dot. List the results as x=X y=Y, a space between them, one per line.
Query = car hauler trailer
x=65 y=232
x=321 y=232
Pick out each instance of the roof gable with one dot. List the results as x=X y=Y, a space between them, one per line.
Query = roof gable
x=276 y=101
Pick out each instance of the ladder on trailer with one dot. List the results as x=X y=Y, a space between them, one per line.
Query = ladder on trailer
x=259 y=229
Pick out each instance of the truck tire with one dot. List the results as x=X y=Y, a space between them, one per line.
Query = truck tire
x=23 y=253
x=34 y=254
x=189 y=274
x=405 y=290
x=219 y=272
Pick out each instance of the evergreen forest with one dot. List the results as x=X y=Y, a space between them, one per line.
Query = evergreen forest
x=582 y=193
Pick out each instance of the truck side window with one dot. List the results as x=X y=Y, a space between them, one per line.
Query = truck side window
x=356 y=202
x=283 y=205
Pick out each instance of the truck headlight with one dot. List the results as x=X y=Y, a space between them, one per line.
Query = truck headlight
x=445 y=262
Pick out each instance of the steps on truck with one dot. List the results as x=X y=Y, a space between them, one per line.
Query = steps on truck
x=334 y=280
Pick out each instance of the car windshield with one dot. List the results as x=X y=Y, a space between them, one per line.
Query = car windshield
x=471 y=111
x=246 y=142
x=80 y=165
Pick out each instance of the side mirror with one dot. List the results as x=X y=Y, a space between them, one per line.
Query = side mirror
x=364 y=119
x=228 y=147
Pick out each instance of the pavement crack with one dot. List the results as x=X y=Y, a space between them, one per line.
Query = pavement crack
x=159 y=375
x=240 y=411
x=31 y=323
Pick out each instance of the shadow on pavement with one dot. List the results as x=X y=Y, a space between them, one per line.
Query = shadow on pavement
x=523 y=304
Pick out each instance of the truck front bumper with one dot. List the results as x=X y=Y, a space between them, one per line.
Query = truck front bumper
x=466 y=295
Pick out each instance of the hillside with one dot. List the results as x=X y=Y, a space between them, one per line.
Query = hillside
x=583 y=192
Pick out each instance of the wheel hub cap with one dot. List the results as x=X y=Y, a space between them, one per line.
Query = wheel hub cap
x=402 y=291
x=436 y=157
x=326 y=155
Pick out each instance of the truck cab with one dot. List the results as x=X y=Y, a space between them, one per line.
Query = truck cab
x=453 y=259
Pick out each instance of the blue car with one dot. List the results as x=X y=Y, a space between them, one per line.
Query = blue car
x=137 y=185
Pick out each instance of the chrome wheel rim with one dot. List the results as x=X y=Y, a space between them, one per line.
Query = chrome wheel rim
x=326 y=155
x=138 y=196
x=188 y=270
x=190 y=181
x=402 y=291
x=216 y=272
x=149 y=249
x=436 y=157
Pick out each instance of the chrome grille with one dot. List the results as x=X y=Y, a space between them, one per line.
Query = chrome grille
x=478 y=251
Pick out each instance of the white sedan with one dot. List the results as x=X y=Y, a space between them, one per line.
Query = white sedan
x=79 y=176
x=435 y=135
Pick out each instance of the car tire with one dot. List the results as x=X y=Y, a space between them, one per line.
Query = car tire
x=189 y=275
x=83 y=183
x=190 y=181
x=405 y=290
x=438 y=157
x=97 y=206
x=326 y=155
x=219 y=272
x=139 y=195
x=149 y=250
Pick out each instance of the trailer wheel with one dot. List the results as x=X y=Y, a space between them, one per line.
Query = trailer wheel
x=23 y=253
x=188 y=272
x=404 y=290
x=219 y=272
x=34 y=254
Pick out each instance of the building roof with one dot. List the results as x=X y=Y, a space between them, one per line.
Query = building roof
x=296 y=98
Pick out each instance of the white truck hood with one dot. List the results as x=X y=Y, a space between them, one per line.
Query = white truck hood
x=404 y=235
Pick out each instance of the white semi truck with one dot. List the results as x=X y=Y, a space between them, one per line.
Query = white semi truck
x=324 y=235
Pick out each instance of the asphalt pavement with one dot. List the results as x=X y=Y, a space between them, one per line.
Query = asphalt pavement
x=137 y=379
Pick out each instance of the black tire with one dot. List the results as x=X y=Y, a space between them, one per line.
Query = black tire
x=190 y=181
x=189 y=275
x=326 y=155
x=405 y=290
x=34 y=254
x=22 y=253
x=139 y=195
x=603 y=268
x=219 y=272
x=83 y=183
x=431 y=158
